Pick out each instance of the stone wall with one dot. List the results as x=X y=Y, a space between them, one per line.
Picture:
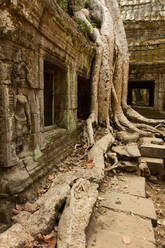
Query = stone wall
x=32 y=33
x=144 y=23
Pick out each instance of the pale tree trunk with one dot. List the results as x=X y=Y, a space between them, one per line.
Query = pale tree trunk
x=110 y=72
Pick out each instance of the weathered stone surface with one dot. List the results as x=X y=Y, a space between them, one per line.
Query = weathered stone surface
x=27 y=49
x=108 y=239
x=84 y=195
x=129 y=166
x=155 y=165
x=129 y=150
x=76 y=215
x=153 y=179
x=16 y=236
x=126 y=137
x=129 y=184
x=152 y=147
x=144 y=24
x=143 y=10
x=151 y=140
x=151 y=150
x=111 y=224
x=129 y=203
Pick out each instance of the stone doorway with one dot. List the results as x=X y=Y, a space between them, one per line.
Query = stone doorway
x=84 y=98
x=141 y=93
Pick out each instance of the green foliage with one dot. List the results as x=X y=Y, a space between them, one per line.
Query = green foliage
x=64 y=5
x=83 y=27
x=94 y=25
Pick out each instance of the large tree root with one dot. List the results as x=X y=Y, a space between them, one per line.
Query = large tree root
x=28 y=225
x=110 y=72
x=76 y=215
x=138 y=118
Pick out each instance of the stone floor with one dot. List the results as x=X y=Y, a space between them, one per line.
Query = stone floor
x=150 y=112
x=124 y=216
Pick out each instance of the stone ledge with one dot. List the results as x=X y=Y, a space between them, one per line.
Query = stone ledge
x=130 y=204
x=108 y=239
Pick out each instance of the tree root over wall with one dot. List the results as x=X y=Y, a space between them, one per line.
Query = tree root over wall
x=110 y=73
x=109 y=109
x=76 y=190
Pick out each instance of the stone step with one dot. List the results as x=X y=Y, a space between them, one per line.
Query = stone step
x=108 y=239
x=152 y=150
x=156 y=165
x=129 y=203
x=129 y=184
x=152 y=147
x=111 y=227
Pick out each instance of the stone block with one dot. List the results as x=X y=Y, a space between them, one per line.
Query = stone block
x=129 y=203
x=129 y=150
x=151 y=140
x=129 y=184
x=152 y=150
x=108 y=239
x=113 y=224
x=156 y=165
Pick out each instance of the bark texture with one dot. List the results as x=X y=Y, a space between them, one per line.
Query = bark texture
x=110 y=72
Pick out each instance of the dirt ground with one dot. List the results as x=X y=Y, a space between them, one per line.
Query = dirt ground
x=156 y=192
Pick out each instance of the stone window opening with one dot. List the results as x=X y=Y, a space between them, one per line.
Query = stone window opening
x=84 y=98
x=55 y=95
x=141 y=93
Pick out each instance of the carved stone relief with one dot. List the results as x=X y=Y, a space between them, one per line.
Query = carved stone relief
x=22 y=123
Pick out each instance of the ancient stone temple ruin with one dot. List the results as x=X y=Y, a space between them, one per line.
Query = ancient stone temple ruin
x=44 y=66
x=144 y=23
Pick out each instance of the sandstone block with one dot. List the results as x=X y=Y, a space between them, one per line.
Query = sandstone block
x=113 y=224
x=130 y=184
x=152 y=150
x=155 y=165
x=129 y=203
x=114 y=240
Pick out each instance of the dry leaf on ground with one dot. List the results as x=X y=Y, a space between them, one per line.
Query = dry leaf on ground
x=126 y=240
x=51 y=240
x=90 y=164
x=51 y=177
x=15 y=211
x=30 y=207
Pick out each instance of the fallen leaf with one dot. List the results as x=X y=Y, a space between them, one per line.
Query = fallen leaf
x=41 y=191
x=19 y=207
x=30 y=207
x=90 y=164
x=100 y=198
x=30 y=243
x=48 y=237
x=51 y=177
x=126 y=240
x=40 y=237
x=15 y=211
x=51 y=240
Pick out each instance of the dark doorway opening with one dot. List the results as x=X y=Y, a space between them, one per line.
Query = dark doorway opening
x=84 y=98
x=141 y=93
x=48 y=98
x=55 y=95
